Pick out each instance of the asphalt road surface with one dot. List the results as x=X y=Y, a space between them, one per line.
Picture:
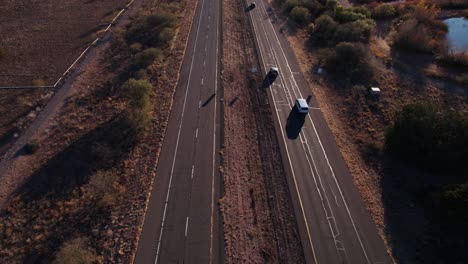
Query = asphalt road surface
x=182 y=220
x=334 y=224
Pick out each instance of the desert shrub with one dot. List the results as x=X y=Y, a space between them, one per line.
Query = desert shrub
x=462 y=79
x=429 y=137
x=137 y=93
x=300 y=15
x=39 y=82
x=351 y=61
x=135 y=47
x=412 y=35
x=359 y=30
x=331 y=4
x=75 y=252
x=103 y=186
x=453 y=59
x=325 y=28
x=290 y=4
x=383 y=11
x=138 y=114
x=147 y=57
x=349 y=14
x=153 y=31
x=453 y=202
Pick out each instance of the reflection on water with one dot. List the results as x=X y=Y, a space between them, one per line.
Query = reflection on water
x=457 y=35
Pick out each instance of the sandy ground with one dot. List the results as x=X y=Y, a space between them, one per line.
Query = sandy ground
x=64 y=161
x=259 y=223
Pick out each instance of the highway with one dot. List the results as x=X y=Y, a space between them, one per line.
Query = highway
x=334 y=224
x=182 y=222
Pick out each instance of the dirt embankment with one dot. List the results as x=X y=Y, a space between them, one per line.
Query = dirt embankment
x=259 y=223
x=87 y=180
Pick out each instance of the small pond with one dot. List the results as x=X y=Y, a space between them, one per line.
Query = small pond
x=457 y=35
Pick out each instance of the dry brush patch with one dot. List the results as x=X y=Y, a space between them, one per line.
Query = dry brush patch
x=259 y=223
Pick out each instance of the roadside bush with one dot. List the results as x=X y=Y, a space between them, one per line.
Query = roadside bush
x=147 y=57
x=289 y=5
x=300 y=15
x=104 y=188
x=137 y=93
x=325 y=28
x=430 y=138
x=153 y=31
x=75 y=251
x=383 y=11
x=138 y=114
x=359 y=30
x=351 y=61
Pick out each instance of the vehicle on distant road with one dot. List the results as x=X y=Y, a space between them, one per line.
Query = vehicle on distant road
x=301 y=106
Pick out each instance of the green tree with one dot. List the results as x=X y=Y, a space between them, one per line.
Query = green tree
x=351 y=61
x=429 y=137
x=324 y=30
x=300 y=15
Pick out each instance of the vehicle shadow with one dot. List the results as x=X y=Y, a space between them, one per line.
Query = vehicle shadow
x=294 y=123
x=268 y=81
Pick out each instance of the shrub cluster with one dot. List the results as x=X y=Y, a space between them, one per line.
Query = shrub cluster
x=348 y=24
x=419 y=30
x=432 y=139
